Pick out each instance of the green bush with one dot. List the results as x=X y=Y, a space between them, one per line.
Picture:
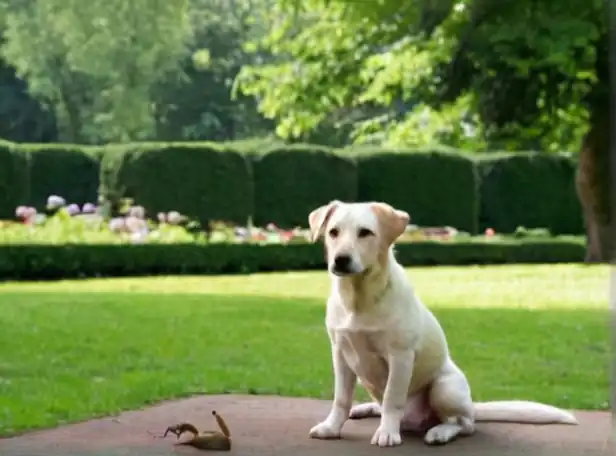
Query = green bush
x=533 y=190
x=23 y=262
x=291 y=181
x=254 y=146
x=60 y=169
x=436 y=188
x=200 y=180
x=14 y=179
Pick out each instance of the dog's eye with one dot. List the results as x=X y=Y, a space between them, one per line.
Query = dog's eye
x=333 y=233
x=364 y=232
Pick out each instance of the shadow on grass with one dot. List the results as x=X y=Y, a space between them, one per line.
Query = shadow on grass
x=66 y=357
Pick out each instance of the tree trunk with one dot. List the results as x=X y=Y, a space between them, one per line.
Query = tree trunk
x=593 y=173
x=593 y=187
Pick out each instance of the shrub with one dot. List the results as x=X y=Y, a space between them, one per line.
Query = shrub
x=61 y=169
x=95 y=260
x=534 y=190
x=254 y=146
x=14 y=178
x=200 y=180
x=293 y=180
x=435 y=188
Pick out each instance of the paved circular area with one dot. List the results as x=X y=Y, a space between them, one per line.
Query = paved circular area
x=264 y=426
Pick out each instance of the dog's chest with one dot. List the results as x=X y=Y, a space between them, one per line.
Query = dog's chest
x=365 y=351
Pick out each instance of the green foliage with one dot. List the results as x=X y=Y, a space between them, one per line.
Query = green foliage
x=62 y=228
x=201 y=105
x=23 y=118
x=254 y=146
x=293 y=180
x=96 y=63
x=472 y=74
x=14 y=179
x=116 y=71
x=62 y=169
x=80 y=260
x=200 y=180
x=533 y=190
x=435 y=188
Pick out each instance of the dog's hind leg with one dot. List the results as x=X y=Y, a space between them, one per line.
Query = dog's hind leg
x=450 y=398
x=365 y=410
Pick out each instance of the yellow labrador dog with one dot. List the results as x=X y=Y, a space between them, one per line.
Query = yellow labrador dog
x=383 y=336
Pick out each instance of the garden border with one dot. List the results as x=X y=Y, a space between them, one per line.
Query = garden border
x=63 y=261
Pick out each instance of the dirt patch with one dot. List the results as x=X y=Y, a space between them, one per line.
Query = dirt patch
x=262 y=425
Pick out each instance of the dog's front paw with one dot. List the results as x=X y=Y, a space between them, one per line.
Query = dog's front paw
x=324 y=431
x=385 y=437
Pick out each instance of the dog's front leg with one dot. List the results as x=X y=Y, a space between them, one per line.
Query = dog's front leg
x=344 y=388
x=394 y=399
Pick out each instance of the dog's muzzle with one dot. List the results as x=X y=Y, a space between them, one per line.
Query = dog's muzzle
x=343 y=265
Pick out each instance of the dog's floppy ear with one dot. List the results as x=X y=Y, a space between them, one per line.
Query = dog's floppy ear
x=393 y=221
x=319 y=217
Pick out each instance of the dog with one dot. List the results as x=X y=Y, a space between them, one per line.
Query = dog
x=384 y=338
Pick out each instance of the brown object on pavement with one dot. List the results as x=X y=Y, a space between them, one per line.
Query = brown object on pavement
x=206 y=440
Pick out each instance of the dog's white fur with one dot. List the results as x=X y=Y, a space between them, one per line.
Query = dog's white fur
x=383 y=337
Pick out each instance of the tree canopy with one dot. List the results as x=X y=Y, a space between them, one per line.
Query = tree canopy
x=519 y=74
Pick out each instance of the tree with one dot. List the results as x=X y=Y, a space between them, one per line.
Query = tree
x=22 y=118
x=201 y=105
x=96 y=62
x=477 y=73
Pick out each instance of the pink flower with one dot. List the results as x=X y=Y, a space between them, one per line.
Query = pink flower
x=73 y=209
x=21 y=211
x=117 y=224
x=489 y=232
x=26 y=214
x=271 y=227
x=55 y=202
x=88 y=208
x=137 y=211
x=135 y=224
x=174 y=217
x=30 y=212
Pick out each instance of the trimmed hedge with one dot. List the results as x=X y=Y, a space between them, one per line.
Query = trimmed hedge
x=22 y=262
x=14 y=179
x=201 y=180
x=291 y=181
x=275 y=182
x=435 y=188
x=61 y=169
x=531 y=189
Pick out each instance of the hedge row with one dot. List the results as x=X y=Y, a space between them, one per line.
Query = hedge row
x=204 y=181
x=435 y=188
x=281 y=183
x=40 y=262
x=532 y=190
x=30 y=173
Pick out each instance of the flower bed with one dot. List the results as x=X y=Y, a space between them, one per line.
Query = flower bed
x=69 y=241
x=63 y=223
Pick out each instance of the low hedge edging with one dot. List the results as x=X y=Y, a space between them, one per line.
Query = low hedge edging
x=40 y=262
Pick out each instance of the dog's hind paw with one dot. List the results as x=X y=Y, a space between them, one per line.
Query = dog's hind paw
x=441 y=434
x=367 y=410
x=324 y=431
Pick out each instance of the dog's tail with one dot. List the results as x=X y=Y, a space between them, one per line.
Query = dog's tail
x=522 y=412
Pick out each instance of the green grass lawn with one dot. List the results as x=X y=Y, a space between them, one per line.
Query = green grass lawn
x=77 y=349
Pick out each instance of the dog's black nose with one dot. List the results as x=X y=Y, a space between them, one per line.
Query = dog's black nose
x=342 y=263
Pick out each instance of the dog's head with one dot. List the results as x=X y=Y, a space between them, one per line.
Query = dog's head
x=357 y=235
